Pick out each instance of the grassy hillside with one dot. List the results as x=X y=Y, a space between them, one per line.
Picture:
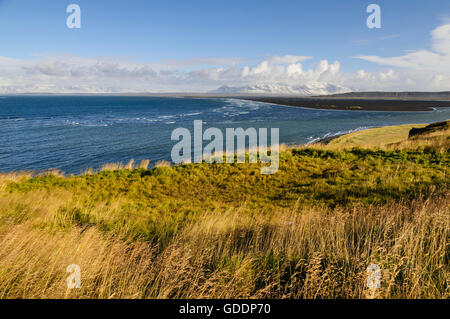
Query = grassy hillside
x=220 y=230
x=389 y=136
x=375 y=137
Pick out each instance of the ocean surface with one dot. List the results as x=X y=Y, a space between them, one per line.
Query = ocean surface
x=73 y=133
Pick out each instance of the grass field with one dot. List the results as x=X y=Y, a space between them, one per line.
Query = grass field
x=375 y=137
x=226 y=231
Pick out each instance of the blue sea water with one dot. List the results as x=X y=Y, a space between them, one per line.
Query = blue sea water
x=73 y=133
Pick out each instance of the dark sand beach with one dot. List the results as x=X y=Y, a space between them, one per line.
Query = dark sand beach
x=394 y=105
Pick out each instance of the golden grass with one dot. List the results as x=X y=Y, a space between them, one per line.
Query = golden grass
x=144 y=164
x=163 y=164
x=33 y=264
x=296 y=253
x=375 y=137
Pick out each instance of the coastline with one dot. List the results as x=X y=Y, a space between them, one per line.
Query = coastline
x=346 y=104
x=329 y=139
x=384 y=135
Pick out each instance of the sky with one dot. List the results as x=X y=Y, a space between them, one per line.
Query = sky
x=198 y=46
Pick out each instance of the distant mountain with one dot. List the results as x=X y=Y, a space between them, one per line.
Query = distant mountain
x=272 y=89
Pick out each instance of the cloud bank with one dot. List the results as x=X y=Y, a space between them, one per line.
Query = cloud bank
x=423 y=70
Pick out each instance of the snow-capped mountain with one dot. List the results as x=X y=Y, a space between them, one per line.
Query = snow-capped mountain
x=306 y=89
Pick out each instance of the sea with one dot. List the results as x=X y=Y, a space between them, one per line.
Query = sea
x=75 y=133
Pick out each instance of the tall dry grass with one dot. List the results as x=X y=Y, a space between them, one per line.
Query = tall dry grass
x=295 y=253
x=130 y=165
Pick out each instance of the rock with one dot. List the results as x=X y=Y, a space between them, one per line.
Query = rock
x=434 y=127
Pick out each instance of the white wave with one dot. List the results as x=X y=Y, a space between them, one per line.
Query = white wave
x=166 y=117
x=252 y=105
x=315 y=139
x=192 y=114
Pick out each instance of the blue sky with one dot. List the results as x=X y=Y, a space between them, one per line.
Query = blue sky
x=247 y=31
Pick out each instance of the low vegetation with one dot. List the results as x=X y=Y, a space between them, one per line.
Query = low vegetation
x=226 y=231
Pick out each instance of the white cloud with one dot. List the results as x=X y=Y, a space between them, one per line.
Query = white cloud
x=435 y=60
x=294 y=70
x=441 y=39
x=422 y=69
x=69 y=73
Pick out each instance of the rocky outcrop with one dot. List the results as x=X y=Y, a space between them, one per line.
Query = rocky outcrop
x=435 y=127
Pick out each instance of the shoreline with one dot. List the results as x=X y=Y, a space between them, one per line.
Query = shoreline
x=339 y=104
x=329 y=139
x=385 y=135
